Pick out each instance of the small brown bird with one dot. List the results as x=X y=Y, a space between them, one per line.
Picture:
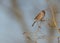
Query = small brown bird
x=39 y=17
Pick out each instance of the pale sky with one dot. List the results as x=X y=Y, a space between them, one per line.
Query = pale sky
x=10 y=29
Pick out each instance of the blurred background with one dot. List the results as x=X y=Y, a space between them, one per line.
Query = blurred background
x=17 y=16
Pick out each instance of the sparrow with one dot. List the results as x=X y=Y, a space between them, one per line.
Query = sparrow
x=39 y=17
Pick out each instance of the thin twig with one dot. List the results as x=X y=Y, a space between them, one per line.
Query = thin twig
x=58 y=39
x=21 y=19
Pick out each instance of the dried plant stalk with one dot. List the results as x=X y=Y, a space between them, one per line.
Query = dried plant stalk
x=53 y=15
x=27 y=35
x=58 y=40
x=54 y=12
x=20 y=18
x=53 y=24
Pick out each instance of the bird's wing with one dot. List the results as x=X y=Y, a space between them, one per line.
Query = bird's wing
x=37 y=16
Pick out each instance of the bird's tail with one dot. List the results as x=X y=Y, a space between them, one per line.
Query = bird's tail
x=33 y=23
